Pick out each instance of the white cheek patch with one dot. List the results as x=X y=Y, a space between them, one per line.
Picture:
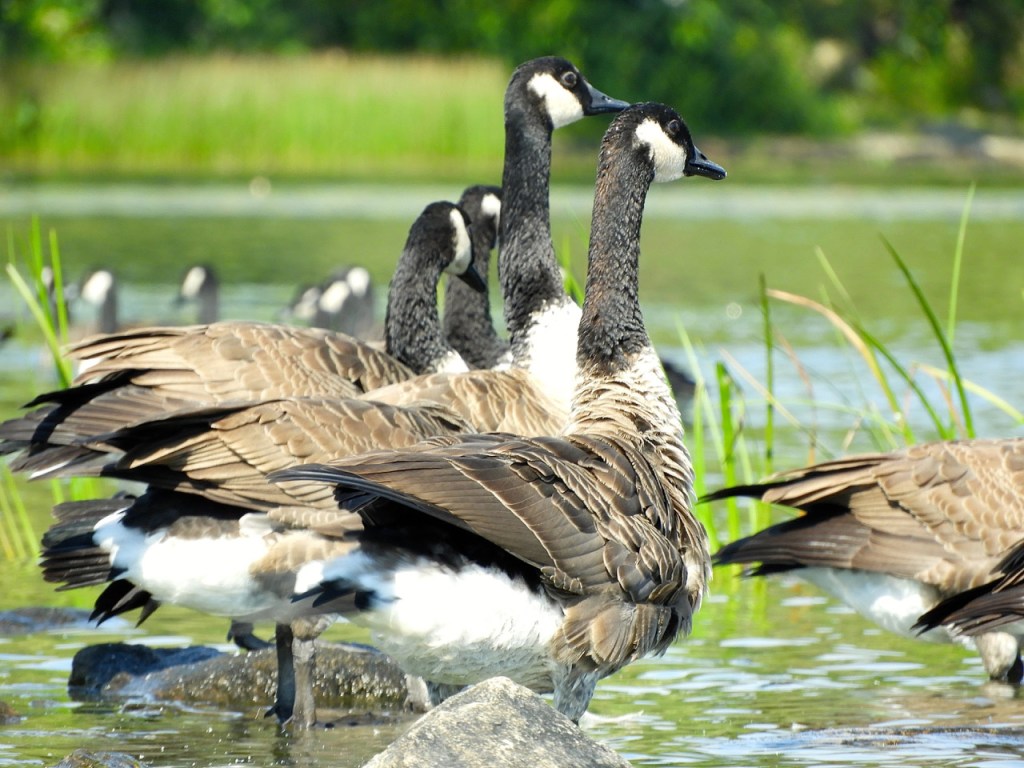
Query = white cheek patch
x=334 y=298
x=461 y=244
x=193 y=281
x=96 y=288
x=359 y=280
x=562 y=105
x=669 y=158
x=491 y=206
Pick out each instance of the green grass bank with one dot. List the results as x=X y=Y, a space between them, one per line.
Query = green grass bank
x=348 y=117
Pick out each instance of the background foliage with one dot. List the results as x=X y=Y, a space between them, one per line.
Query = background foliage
x=810 y=66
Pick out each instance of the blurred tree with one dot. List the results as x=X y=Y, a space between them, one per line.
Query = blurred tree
x=783 y=65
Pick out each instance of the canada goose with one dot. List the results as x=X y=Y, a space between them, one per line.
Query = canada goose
x=99 y=290
x=200 y=284
x=893 y=534
x=344 y=302
x=542 y=95
x=552 y=560
x=467 y=314
x=995 y=605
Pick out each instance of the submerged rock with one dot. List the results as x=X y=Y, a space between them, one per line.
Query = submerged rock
x=347 y=676
x=496 y=722
x=24 y=621
x=83 y=758
x=7 y=714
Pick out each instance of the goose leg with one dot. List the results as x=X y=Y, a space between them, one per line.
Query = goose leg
x=284 y=701
x=304 y=710
x=241 y=634
x=573 y=691
x=304 y=633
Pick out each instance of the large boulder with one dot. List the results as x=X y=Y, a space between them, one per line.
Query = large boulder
x=496 y=722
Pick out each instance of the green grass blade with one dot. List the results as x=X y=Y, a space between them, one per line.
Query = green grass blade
x=940 y=337
x=958 y=257
x=769 y=376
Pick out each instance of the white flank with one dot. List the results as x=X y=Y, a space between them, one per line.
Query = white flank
x=459 y=626
x=211 y=575
x=551 y=349
x=193 y=281
x=893 y=603
x=668 y=157
x=461 y=245
x=334 y=298
x=97 y=287
x=561 y=104
x=359 y=280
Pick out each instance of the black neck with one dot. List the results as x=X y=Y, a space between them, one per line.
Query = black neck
x=412 y=331
x=527 y=268
x=612 y=327
x=467 y=312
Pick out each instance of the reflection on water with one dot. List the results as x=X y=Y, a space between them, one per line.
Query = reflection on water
x=775 y=673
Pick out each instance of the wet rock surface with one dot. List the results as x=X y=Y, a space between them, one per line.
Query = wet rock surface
x=496 y=722
x=82 y=758
x=348 y=676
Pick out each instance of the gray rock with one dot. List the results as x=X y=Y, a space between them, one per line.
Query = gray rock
x=496 y=722
x=82 y=758
x=348 y=676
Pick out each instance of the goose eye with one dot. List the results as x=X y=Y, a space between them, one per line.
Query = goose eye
x=569 y=79
x=673 y=128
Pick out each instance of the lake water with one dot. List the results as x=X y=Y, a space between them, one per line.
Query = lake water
x=775 y=674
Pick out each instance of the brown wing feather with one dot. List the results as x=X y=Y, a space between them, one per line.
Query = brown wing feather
x=941 y=513
x=241 y=360
x=227 y=458
x=493 y=401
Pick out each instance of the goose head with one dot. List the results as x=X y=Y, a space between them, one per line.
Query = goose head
x=201 y=285
x=483 y=204
x=447 y=226
x=96 y=288
x=557 y=90
x=662 y=136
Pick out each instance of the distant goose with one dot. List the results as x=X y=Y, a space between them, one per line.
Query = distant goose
x=552 y=560
x=99 y=289
x=344 y=302
x=201 y=285
x=467 y=314
x=893 y=534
